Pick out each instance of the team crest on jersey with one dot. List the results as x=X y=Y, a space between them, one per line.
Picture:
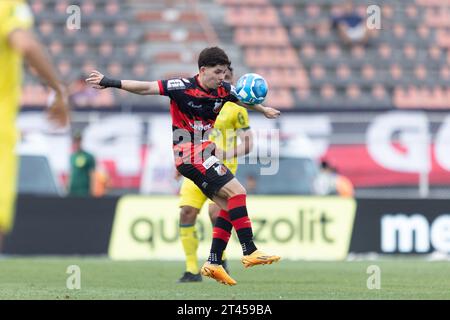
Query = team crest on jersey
x=175 y=84
x=220 y=169
x=218 y=105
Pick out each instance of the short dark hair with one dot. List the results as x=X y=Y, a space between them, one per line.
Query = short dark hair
x=213 y=56
x=324 y=164
x=77 y=136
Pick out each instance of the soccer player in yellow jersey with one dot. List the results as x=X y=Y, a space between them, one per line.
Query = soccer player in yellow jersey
x=17 y=42
x=231 y=123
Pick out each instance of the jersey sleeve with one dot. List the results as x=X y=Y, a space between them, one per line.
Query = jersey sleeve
x=231 y=90
x=171 y=86
x=14 y=16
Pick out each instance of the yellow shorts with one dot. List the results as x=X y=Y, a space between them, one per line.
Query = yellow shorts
x=8 y=175
x=192 y=196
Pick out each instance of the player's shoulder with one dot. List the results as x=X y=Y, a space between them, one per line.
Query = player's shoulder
x=228 y=87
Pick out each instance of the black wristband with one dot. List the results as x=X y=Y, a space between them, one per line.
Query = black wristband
x=110 y=83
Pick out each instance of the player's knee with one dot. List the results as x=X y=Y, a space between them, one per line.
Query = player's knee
x=213 y=213
x=188 y=215
x=238 y=190
x=232 y=189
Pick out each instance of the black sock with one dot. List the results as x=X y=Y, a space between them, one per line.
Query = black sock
x=221 y=235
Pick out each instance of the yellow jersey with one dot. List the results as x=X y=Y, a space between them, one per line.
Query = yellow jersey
x=14 y=14
x=232 y=117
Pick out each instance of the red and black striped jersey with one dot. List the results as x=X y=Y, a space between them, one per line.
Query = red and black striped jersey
x=193 y=108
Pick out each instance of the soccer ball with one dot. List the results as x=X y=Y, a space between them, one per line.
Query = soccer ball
x=251 y=88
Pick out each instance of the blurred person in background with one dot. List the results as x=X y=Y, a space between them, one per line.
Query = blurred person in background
x=101 y=181
x=82 y=170
x=330 y=182
x=17 y=42
x=231 y=123
x=251 y=184
x=350 y=25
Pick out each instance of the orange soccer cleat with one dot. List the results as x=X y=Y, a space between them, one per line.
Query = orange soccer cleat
x=218 y=273
x=258 y=257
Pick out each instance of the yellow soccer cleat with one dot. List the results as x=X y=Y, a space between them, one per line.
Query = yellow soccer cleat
x=258 y=257
x=218 y=273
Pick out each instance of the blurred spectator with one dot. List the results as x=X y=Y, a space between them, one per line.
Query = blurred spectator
x=350 y=25
x=82 y=170
x=344 y=186
x=101 y=182
x=250 y=184
x=329 y=182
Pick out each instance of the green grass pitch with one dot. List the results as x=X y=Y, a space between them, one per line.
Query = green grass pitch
x=45 y=278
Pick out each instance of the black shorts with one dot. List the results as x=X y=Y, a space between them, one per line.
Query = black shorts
x=210 y=178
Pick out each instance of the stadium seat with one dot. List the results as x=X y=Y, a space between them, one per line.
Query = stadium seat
x=80 y=48
x=368 y=72
x=280 y=98
x=88 y=7
x=112 y=8
x=327 y=92
x=38 y=6
x=379 y=94
x=121 y=29
x=353 y=92
x=106 y=49
x=317 y=72
x=343 y=72
x=444 y=73
x=56 y=48
x=251 y=16
x=61 y=6
x=34 y=95
x=96 y=29
x=65 y=68
x=420 y=72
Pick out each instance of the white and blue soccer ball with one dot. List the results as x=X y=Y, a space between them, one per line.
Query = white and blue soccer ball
x=251 y=88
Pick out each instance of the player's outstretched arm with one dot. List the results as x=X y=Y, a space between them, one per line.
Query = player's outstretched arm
x=268 y=112
x=27 y=45
x=100 y=81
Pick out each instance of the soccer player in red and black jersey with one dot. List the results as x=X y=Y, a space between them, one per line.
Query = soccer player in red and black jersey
x=194 y=105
